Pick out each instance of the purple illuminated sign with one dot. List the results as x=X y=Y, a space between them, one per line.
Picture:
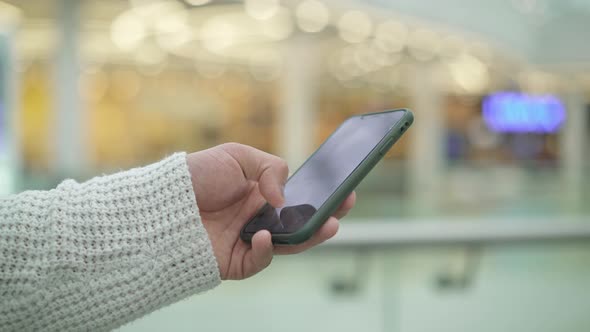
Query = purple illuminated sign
x=521 y=113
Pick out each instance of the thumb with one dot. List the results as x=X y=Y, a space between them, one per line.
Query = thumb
x=260 y=256
x=269 y=171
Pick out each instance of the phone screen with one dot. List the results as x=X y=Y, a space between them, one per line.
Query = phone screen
x=321 y=175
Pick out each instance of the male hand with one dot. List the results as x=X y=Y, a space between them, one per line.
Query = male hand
x=231 y=182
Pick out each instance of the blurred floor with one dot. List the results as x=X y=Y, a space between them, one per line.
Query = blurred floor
x=521 y=288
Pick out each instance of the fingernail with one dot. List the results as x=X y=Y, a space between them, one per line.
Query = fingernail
x=282 y=195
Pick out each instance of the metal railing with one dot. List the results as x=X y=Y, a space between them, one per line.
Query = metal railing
x=380 y=233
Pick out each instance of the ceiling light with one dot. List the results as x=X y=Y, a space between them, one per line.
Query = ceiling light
x=312 y=16
x=217 y=34
x=197 y=2
x=261 y=9
x=278 y=27
x=354 y=26
x=128 y=31
x=469 y=73
x=391 y=36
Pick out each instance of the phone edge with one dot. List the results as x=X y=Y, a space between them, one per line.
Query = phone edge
x=347 y=187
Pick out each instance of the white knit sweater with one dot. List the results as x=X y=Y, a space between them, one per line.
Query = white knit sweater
x=96 y=255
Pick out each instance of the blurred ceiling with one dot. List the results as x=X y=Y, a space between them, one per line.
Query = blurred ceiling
x=544 y=32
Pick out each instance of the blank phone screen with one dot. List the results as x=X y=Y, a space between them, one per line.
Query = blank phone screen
x=321 y=175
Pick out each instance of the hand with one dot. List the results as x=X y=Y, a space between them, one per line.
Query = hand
x=231 y=182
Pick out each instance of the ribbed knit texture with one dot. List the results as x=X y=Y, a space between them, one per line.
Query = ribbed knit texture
x=96 y=255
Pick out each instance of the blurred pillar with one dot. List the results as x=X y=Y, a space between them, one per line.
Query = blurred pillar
x=573 y=149
x=10 y=157
x=69 y=156
x=426 y=152
x=296 y=131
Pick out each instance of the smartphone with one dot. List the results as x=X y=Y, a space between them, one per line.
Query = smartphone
x=316 y=190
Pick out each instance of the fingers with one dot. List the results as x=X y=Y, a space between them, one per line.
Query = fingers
x=327 y=231
x=271 y=182
x=346 y=206
x=262 y=250
x=269 y=171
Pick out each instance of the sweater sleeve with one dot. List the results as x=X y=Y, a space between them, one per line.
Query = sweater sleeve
x=96 y=255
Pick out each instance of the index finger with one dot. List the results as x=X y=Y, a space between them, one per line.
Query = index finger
x=269 y=171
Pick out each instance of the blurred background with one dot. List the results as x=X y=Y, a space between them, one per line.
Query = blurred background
x=500 y=92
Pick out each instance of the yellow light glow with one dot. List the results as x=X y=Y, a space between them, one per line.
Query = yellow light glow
x=278 y=27
x=261 y=9
x=469 y=73
x=312 y=16
x=354 y=26
x=172 y=42
x=152 y=10
x=10 y=14
x=364 y=58
x=197 y=2
x=217 y=34
x=128 y=31
x=150 y=55
x=391 y=36
x=172 y=22
x=173 y=31
x=343 y=65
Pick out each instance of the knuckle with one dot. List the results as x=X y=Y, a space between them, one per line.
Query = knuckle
x=232 y=146
x=282 y=165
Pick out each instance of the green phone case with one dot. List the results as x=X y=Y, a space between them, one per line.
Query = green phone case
x=336 y=199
